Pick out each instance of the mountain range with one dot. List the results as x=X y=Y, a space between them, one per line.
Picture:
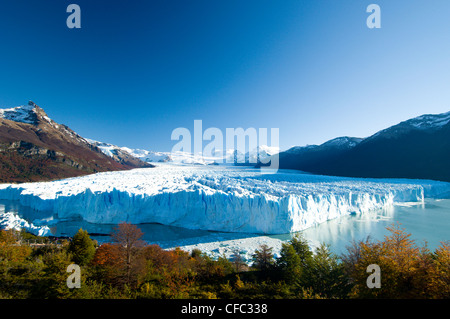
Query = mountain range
x=418 y=148
x=219 y=157
x=33 y=147
x=112 y=150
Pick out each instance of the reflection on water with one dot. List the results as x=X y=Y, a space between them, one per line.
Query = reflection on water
x=428 y=221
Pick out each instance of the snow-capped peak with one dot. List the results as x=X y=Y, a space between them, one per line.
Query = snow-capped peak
x=343 y=142
x=24 y=113
x=219 y=156
x=29 y=114
x=144 y=155
x=430 y=121
x=423 y=122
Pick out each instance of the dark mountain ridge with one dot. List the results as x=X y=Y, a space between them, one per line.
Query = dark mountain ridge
x=418 y=148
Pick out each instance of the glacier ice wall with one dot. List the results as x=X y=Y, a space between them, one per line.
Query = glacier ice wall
x=217 y=198
x=10 y=220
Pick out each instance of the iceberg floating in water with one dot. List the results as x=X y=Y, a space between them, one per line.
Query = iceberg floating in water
x=219 y=198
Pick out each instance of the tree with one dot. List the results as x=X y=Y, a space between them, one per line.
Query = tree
x=128 y=237
x=324 y=275
x=108 y=263
x=301 y=247
x=237 y=261
x=107 y=255
x=289 y=263
x=263 y=259
x=82 y=248
x=405 y=268
x=53 y=281
x=8 y=248
x=8 y=236
x=196 y=252
x=438 y=278
x=295 y=255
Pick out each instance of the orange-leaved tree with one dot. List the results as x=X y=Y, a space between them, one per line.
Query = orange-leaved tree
x=128 y=238
x=406 y=270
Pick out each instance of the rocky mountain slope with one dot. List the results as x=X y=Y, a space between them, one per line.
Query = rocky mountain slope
x=33 y=147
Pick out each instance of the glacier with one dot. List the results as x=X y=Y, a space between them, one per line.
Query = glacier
x=217 y=198
x=10 y=220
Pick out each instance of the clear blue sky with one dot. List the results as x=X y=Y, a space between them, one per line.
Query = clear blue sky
x=136 y=70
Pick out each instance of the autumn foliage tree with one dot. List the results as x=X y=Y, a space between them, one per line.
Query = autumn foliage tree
x=439 y=276
x=128 y=238
x=9 y=251
x=407 y=271
x=108 y=263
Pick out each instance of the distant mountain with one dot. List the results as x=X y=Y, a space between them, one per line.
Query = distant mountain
x=219 y=157
x=250 y=158
x=416 y=148
x=263 y=151
x=120 y=153
x=149 y=156
x=33 y=147
x=114 y=151
x=308 y=158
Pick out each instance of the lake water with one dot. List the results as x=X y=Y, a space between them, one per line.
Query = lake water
x=428 y=221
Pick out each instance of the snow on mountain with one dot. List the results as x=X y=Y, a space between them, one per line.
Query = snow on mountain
x=426 y=122
x=148 y=156
x=339 y=143
x=250 y=157
x=107 y=149
x=264 y=153
x=219 y=156
x=300 y=149
x=418 y=148
x=33 y=147
x=152 y=156
x=343 y=142
x=22 y=114
x=423 y=122
x=429 y=121
x=227 y=156
x=112 y=150
x=218 y=198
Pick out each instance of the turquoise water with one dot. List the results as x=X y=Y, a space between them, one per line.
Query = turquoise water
x=428 y=222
